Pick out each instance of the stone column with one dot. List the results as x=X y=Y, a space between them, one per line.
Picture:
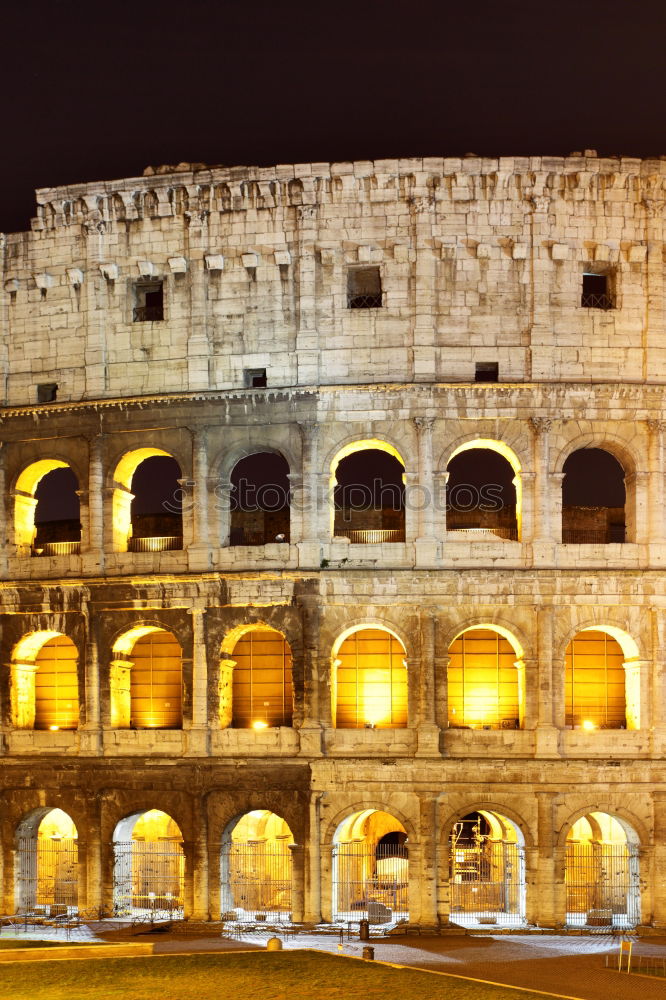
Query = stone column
x=93 y=865
x=224 y=694
x=297 y=883
x=657 y=471
x=5 y=516
x=312 y=907
x=420 y=498
x=542 y=904
x=200 y=888
x=428 y=731
x=426 y=887
x=542 y=506
x=658 y=622
x=637 y=513
x=23 y=515
x=199 y=554
x=548 y=691
x=198 y=344
x=658 y=879
x=425 y=289
x=442 y=872
x=307 y=347
x=308 y=716
x=528 y=679
x=93 y=540
x=90 y=735
x=198 y=732
x=22 y=695
x=309 y=543
x=637 y=694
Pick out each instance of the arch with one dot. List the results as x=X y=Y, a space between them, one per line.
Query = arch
x=365 y=518
x=124 y=521
x=370 y=855
x=146 y=679
x=44 y=682
x=486 y=679
x=256 y=684
x=487 y=868
x=46 y=863
x=369 y=681
x=149 y=866
x=257 y=869
x=41 y=536
x=260 y=499
x=602 y=871
x=485 y=516
x=594 y=497
x=602 y=679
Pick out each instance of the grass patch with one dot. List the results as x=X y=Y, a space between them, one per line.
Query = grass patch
x=290 y=975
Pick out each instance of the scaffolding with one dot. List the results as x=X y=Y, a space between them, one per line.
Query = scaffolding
x=487 y=877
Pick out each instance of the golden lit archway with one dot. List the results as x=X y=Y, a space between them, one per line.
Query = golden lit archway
x=602 y=872
x=149 y=866
x=256 y=687
x=490 y=520
x=487 y=869
x=602 y=680
x=370 y=868
x=146 y=679
x=25 y=500
x=486 y=679
x=257 y=867
x=369 y=683
x=121 y=513
x=44 y=682
x=46 y=872
x=375 y=519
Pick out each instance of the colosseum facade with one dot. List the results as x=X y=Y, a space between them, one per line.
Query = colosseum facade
x=371 y=688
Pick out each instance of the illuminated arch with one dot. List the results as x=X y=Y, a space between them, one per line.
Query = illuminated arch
x=507 y=453
x=146 y=679
x=25 y=502
x=607 y=691
x=486 y=679
x=369 y=679
x=46 y=863
x=149 y=866
x=370 y=867
x=121 y=513
x=351 y=448
x=256 y=684
x=44 y=682
x=602 y=871
x=256 y=866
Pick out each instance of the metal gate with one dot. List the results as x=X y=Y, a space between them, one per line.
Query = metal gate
x=148 y=878
x=603 y=884
x=256 y=880
x=370 y=882
x=487 y=881
x=47 y=872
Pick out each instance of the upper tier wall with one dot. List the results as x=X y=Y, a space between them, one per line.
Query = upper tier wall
x=480 y=260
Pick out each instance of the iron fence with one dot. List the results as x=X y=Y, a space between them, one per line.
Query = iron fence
x=47 y=873
x=487 y=882
x=256 y=880
x=511 y=534
x=592 y=300
x=57 y=549
x=370 y=882
x=602 y=883
x=371 y=536
x=156 y=543
x=148 y=878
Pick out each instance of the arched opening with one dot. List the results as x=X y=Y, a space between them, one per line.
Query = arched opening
x=149 y=866
x=146 y=680
x=256 y=868
x=485 y=681
x=593 y=498
x=369 y=680
x=44 y=682
x=368 y=488
x=259 y=500
x=47 y=511
x=487 y=870
x=371 y=868
x=602 y=874
x=147 y=502
x=262 y=689
x=602 y=680
x=483 y=492
x=47 y=864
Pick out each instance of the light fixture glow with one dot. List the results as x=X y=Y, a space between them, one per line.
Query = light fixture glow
x=259 y=724
x=54 y=729
x=588 y=725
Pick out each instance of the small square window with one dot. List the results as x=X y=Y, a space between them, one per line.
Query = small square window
x=148 y=302
x=255 y=378
x=486 y=371
x=364 y=288
x=47 y=392
x=597 y=292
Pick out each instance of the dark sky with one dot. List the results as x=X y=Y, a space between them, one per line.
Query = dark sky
x=97 y=91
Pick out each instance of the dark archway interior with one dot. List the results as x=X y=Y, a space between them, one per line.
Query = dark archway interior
x=157 y=503
x=57 y=516
x=593 y=498
x=480 y=493
x=259 y=500
x=369 y=497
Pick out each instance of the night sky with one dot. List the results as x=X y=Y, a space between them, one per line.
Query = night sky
x=96 y=91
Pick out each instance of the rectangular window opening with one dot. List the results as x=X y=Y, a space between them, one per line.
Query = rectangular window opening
x=255 y=378
x=148 y=302
x=364 y=288
x=486 y=371
x=47 y=392
x=596 y=292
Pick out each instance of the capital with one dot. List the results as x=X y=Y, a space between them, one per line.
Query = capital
x=424 y=425
x=540 y=425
